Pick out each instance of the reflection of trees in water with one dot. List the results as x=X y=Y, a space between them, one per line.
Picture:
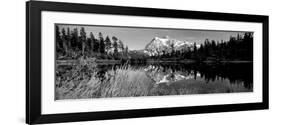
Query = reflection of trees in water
x=234 y=72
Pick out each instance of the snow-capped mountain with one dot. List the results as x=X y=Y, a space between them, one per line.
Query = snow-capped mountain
x=161 y=45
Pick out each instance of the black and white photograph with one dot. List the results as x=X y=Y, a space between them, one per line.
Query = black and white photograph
x=100 y=61
x=89 y=62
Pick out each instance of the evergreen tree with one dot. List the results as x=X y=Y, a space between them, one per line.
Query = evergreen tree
x=194 y=48
x=95 y=45
x=173 y=49
x=89 y=46
x=126 y=51
x=68 y=37
x=107 y=44
x=195 y=54
x=115 y=45
x=83 y=39
x=92 y=42
x=74 y=39
x=58 y=40
x=121 y=45
x=64 y=41
x=121 y=48
x=102 y=45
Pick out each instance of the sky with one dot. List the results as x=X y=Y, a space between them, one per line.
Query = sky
x=136 y=38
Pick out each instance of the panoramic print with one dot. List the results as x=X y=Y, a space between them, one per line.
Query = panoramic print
x=94 y=61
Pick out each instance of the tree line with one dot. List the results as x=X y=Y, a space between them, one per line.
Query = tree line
x=73 y=44
x=238 y=47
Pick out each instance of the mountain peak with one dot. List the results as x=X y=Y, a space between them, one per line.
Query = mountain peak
x=161 y=45
x=163 y=37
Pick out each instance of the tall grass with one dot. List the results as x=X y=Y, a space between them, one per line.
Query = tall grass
x=120 y=82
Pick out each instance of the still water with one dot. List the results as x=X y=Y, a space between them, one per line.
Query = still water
x=155 y=79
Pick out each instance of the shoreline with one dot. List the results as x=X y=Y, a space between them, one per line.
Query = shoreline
x=73 y=62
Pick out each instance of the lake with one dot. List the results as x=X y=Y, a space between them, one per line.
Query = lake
x=151 y=79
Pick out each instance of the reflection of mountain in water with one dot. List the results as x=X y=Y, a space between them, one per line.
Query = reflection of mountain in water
x=168 y=73
x=232 y=73
x=199 y=78
x=162 y=74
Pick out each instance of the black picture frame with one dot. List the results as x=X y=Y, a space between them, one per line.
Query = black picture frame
x=33 y=61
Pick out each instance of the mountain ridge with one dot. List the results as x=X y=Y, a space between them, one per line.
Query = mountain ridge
x=163 y=45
